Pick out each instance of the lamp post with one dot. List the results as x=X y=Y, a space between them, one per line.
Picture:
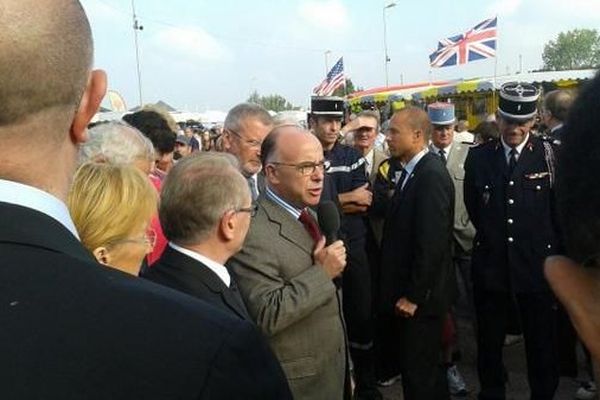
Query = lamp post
x=387 y=58
x=137 y=27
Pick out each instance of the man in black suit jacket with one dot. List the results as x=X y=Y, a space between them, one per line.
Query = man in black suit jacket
x=205 y=209
x=416 y=255
x=72 y=328
x=556 y=107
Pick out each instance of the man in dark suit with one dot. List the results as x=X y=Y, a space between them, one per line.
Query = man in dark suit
x=285 y=271
x=71 y=328
x=205 y=208
x=416 y=256
x=556 y=107
x=509 y=195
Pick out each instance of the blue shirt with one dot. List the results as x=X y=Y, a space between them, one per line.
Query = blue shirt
x=295 y=212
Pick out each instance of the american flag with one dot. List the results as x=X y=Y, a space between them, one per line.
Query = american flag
x=333 y=80
x=476 y=44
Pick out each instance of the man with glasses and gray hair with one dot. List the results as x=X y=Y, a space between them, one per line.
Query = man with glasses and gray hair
x=205 y=207
x=285 y=272
x=246 y=126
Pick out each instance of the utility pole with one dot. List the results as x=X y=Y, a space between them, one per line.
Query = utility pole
x=137 y=27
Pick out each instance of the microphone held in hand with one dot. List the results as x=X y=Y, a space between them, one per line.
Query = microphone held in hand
x=329 y=221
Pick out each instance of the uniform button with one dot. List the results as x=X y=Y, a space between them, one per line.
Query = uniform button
x=510 y=221
x=511 y=183
x=538 y=187
x=510 y=240
x=549 y=246
x=511 y=201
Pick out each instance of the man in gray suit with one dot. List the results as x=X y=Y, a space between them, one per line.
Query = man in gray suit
x=246 y=126
x=285 y=271
x=453 y=154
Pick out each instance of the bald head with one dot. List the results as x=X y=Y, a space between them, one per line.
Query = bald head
x=418 y=120
x=284 y=140
x=45 y=57
x=294 y=165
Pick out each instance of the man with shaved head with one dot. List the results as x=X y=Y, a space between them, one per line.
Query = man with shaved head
x=416 y=255
x=71 y=328
x=285 y=272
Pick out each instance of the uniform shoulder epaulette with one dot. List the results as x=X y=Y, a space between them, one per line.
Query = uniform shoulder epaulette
x=550 y=139
x=484 y=145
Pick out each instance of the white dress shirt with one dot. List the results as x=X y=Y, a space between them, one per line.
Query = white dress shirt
x=214 y=266
x=410 y=166
x=519 y=148
x=437 y=150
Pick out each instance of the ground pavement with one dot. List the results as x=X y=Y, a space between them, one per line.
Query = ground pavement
x=514 y=356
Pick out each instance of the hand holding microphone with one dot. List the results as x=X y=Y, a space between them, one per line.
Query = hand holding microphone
x=330 y=252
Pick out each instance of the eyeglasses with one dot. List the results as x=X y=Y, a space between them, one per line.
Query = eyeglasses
x=249 y=142
x=306 y=168
x=252 y=210
x=148 y=239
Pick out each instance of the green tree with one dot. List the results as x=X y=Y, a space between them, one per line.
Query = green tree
x=350 y=88
x=272 y=102
x=579 y=48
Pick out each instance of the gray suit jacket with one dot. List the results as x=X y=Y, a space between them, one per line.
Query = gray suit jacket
x=464 y=231
x=293 y=302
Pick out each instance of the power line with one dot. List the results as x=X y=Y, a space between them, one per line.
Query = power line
x=243 y=41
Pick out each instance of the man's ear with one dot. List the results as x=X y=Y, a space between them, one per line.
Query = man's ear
x=88 y=106
x=271 y=173
x=102 y=255
x=226 y=140
x=227 y=225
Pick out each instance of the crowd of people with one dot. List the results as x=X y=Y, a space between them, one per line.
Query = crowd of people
x=272 y=258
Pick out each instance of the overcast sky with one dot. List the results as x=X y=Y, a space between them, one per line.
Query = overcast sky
x=203 y=55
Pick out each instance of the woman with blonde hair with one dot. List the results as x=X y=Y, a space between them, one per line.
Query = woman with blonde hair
x=111 y=206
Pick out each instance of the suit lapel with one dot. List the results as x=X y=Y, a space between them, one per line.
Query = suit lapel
x=289 y=228
x=197 y=273
x=501 y=165
x=400 y=194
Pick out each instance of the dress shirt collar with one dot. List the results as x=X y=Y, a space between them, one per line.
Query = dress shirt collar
x=447 y=149
x=214 y=266
x=295 y=212
x=36 y=199
x=369 y=159
x=519 y=148
x=410 y=166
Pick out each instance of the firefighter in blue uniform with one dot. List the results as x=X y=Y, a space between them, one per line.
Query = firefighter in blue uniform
x=347 y=170
x=509 y=195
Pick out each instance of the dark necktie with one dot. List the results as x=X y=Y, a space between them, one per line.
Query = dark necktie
x=235 y=293
x=442 y=154
x=401 y=179
x=310 y=225
x=512 y=161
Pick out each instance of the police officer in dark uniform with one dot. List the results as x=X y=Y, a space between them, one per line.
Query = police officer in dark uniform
x=509 y=195
x=347 y=170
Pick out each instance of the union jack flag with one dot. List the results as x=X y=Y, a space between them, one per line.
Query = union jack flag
x=333 y=80
x=475 y=44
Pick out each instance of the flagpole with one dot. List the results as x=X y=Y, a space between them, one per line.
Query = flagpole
x=495 y=65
